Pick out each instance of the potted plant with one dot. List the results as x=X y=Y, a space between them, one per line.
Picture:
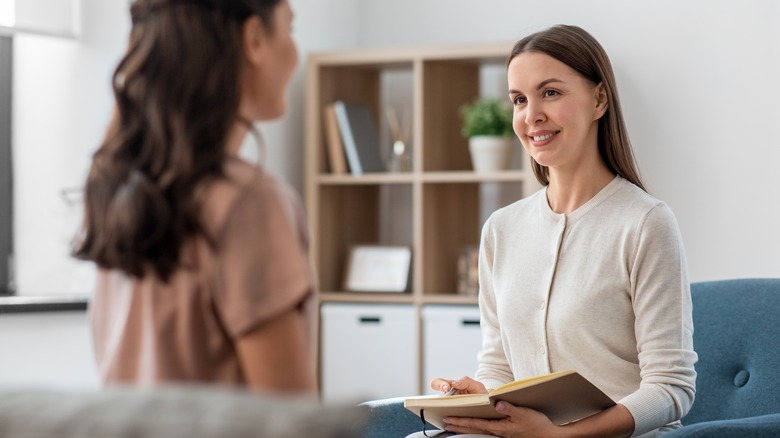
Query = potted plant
x=487 y=123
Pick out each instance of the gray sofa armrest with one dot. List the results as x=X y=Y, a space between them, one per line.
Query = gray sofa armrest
x=388 y=418
x=171 y=412
x=763 y=426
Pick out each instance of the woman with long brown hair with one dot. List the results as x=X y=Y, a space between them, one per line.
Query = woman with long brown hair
x=589 y=273
x=203 y=268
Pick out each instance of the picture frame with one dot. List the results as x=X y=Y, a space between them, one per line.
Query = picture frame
x=378 y=268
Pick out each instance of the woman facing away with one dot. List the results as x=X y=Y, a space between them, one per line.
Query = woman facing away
x=589 y=273
x=203 y=268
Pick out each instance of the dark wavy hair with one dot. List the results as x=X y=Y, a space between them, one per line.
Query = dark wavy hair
x=578 y=49
x=177 y=92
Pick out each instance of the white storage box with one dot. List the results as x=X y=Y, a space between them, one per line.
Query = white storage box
x=369 y=351
x=451 y=341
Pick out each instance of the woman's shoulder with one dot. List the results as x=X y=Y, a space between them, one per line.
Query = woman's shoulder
x=631 y=201
x=254 y=180
x=247 y=187
x=632 y=197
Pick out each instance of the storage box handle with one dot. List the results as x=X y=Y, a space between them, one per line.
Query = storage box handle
x=370 y=320
x=468 y=322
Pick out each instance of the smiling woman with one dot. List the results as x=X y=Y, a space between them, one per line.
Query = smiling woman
x=600 y=282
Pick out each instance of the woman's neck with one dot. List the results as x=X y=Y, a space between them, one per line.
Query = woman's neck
x=235 y=137
x=568 y=191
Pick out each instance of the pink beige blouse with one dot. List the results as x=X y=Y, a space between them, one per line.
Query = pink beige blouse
x=146 y=331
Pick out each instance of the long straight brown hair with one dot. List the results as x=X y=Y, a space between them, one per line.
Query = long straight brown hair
x=576 y=48
x=177 y=92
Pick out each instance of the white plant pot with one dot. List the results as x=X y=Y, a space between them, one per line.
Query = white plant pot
x=490 y=153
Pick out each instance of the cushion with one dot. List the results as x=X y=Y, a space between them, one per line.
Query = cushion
x=177 y=411
x=389 y=418
x=764 y=426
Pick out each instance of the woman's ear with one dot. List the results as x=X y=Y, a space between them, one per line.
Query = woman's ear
x=254 y=40
x=601 y=100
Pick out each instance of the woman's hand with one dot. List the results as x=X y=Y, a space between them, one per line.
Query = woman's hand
x=464 y=385
x=616 y=421
x=520 y=422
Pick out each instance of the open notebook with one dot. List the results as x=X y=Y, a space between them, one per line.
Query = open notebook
x=564 y=397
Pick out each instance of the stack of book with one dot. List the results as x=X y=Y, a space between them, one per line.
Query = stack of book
x=352 y=140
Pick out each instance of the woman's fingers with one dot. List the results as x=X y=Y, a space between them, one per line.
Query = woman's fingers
x=464 y=385
x=439 y=384
x=467 y=385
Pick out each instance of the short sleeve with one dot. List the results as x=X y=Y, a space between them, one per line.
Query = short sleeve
x=262 y=263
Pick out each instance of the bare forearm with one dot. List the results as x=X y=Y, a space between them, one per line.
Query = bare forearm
x=275 y=357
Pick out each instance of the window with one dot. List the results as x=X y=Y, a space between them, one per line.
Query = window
x=6 y=171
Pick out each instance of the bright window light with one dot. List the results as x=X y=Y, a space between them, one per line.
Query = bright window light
x=7 y=13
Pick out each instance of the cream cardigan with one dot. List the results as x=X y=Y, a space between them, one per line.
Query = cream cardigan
x=603 y=290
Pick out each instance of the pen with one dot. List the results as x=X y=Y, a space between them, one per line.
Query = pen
x=451 y=392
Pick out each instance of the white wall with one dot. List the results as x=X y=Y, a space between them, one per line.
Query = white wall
x=57 y=17
x=46 y=350
x=699 y=88
x=61 y=103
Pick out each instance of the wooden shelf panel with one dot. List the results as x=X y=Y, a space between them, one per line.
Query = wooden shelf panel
x=339 y=231
x=449 y=299
x=446 y=86
x=445 y=177
x=395 y=298
x=366 y=179
x=451 y=221
x=474 y=177
x=352 y=297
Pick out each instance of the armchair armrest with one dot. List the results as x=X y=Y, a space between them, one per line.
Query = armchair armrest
x=763 y=426
x=388 y=418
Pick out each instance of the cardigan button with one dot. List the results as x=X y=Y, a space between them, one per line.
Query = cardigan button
x=741 y=378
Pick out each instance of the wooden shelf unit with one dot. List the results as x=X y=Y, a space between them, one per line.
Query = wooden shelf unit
x=437 y=207
x=441 y=193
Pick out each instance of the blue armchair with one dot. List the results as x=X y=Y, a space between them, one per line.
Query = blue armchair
x=737 y=337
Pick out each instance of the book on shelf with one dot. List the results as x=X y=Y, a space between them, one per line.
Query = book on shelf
x=336 y=159
x=360 y=138
x=564 y=397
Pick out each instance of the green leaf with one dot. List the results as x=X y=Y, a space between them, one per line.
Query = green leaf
x=487 y=117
